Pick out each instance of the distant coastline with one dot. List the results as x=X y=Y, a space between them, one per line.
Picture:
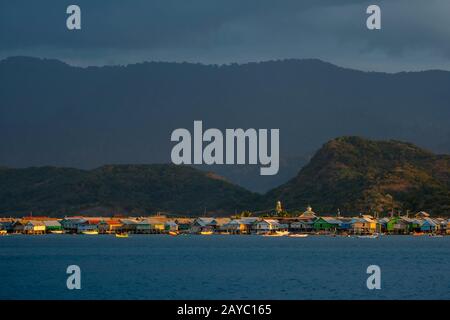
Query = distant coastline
x=308 y=223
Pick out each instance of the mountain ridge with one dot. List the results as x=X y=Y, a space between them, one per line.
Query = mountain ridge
x=348 y=173
x=52 y=113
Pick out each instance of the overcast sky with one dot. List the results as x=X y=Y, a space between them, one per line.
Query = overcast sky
x=415 y=34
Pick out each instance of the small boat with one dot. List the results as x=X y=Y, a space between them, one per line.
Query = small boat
x=370 y=236
x=173 y=233
x=418 y=234
x=90 y=232
x=276 y=234
x=3 y=232
x=57 y=232
x=271 y=235
x=436 y=236
x=121 y=235
x=298 y=235
x=206 y=233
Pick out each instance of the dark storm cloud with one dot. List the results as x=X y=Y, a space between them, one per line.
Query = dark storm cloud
x=414 y=33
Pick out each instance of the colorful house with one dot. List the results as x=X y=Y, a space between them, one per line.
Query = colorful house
x=70 y=224
x=397 y=225
x=156 y=225
x=202 y=224
x=128 y=225
x=302 y=225
x=7 y=225
x=34 y=227
x=239 y=226
x=52 y=225
x=346 y=225
x=143 y=226
x=364 y=225
x=265 y=225
x=109 y=226
x=87 y=227
x=429 y=225
x=170 y=226
x=18 y=226
x=208 y=224
x=328 y=224
x=414 y=224
x=442 y=224
x=184 y=224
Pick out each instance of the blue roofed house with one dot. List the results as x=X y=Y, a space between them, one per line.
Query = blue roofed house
x=429 y=225
x=346 y=225
x=383 y=222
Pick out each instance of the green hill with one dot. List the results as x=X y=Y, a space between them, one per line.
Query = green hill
x=138 y=189
x=358 y=175
x=348 y=173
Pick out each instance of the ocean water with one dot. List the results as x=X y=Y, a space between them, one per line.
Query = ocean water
x=223 y=267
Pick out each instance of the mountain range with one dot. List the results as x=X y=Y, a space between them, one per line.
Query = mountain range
x=55 y=114
x=350 y=174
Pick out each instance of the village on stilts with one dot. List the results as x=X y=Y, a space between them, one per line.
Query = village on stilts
x=274 y=224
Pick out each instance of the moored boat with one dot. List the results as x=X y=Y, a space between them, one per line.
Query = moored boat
x=57 y=232
x=90 y=232
x=173 y=233
x=121 y=235
x=206 y=233
x=298 y=235
x=276 y=234
x=370 y=236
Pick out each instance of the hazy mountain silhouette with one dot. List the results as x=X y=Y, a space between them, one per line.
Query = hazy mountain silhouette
x=55 y=114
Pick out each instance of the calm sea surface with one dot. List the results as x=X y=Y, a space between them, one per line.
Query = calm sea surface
x=223 y=267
